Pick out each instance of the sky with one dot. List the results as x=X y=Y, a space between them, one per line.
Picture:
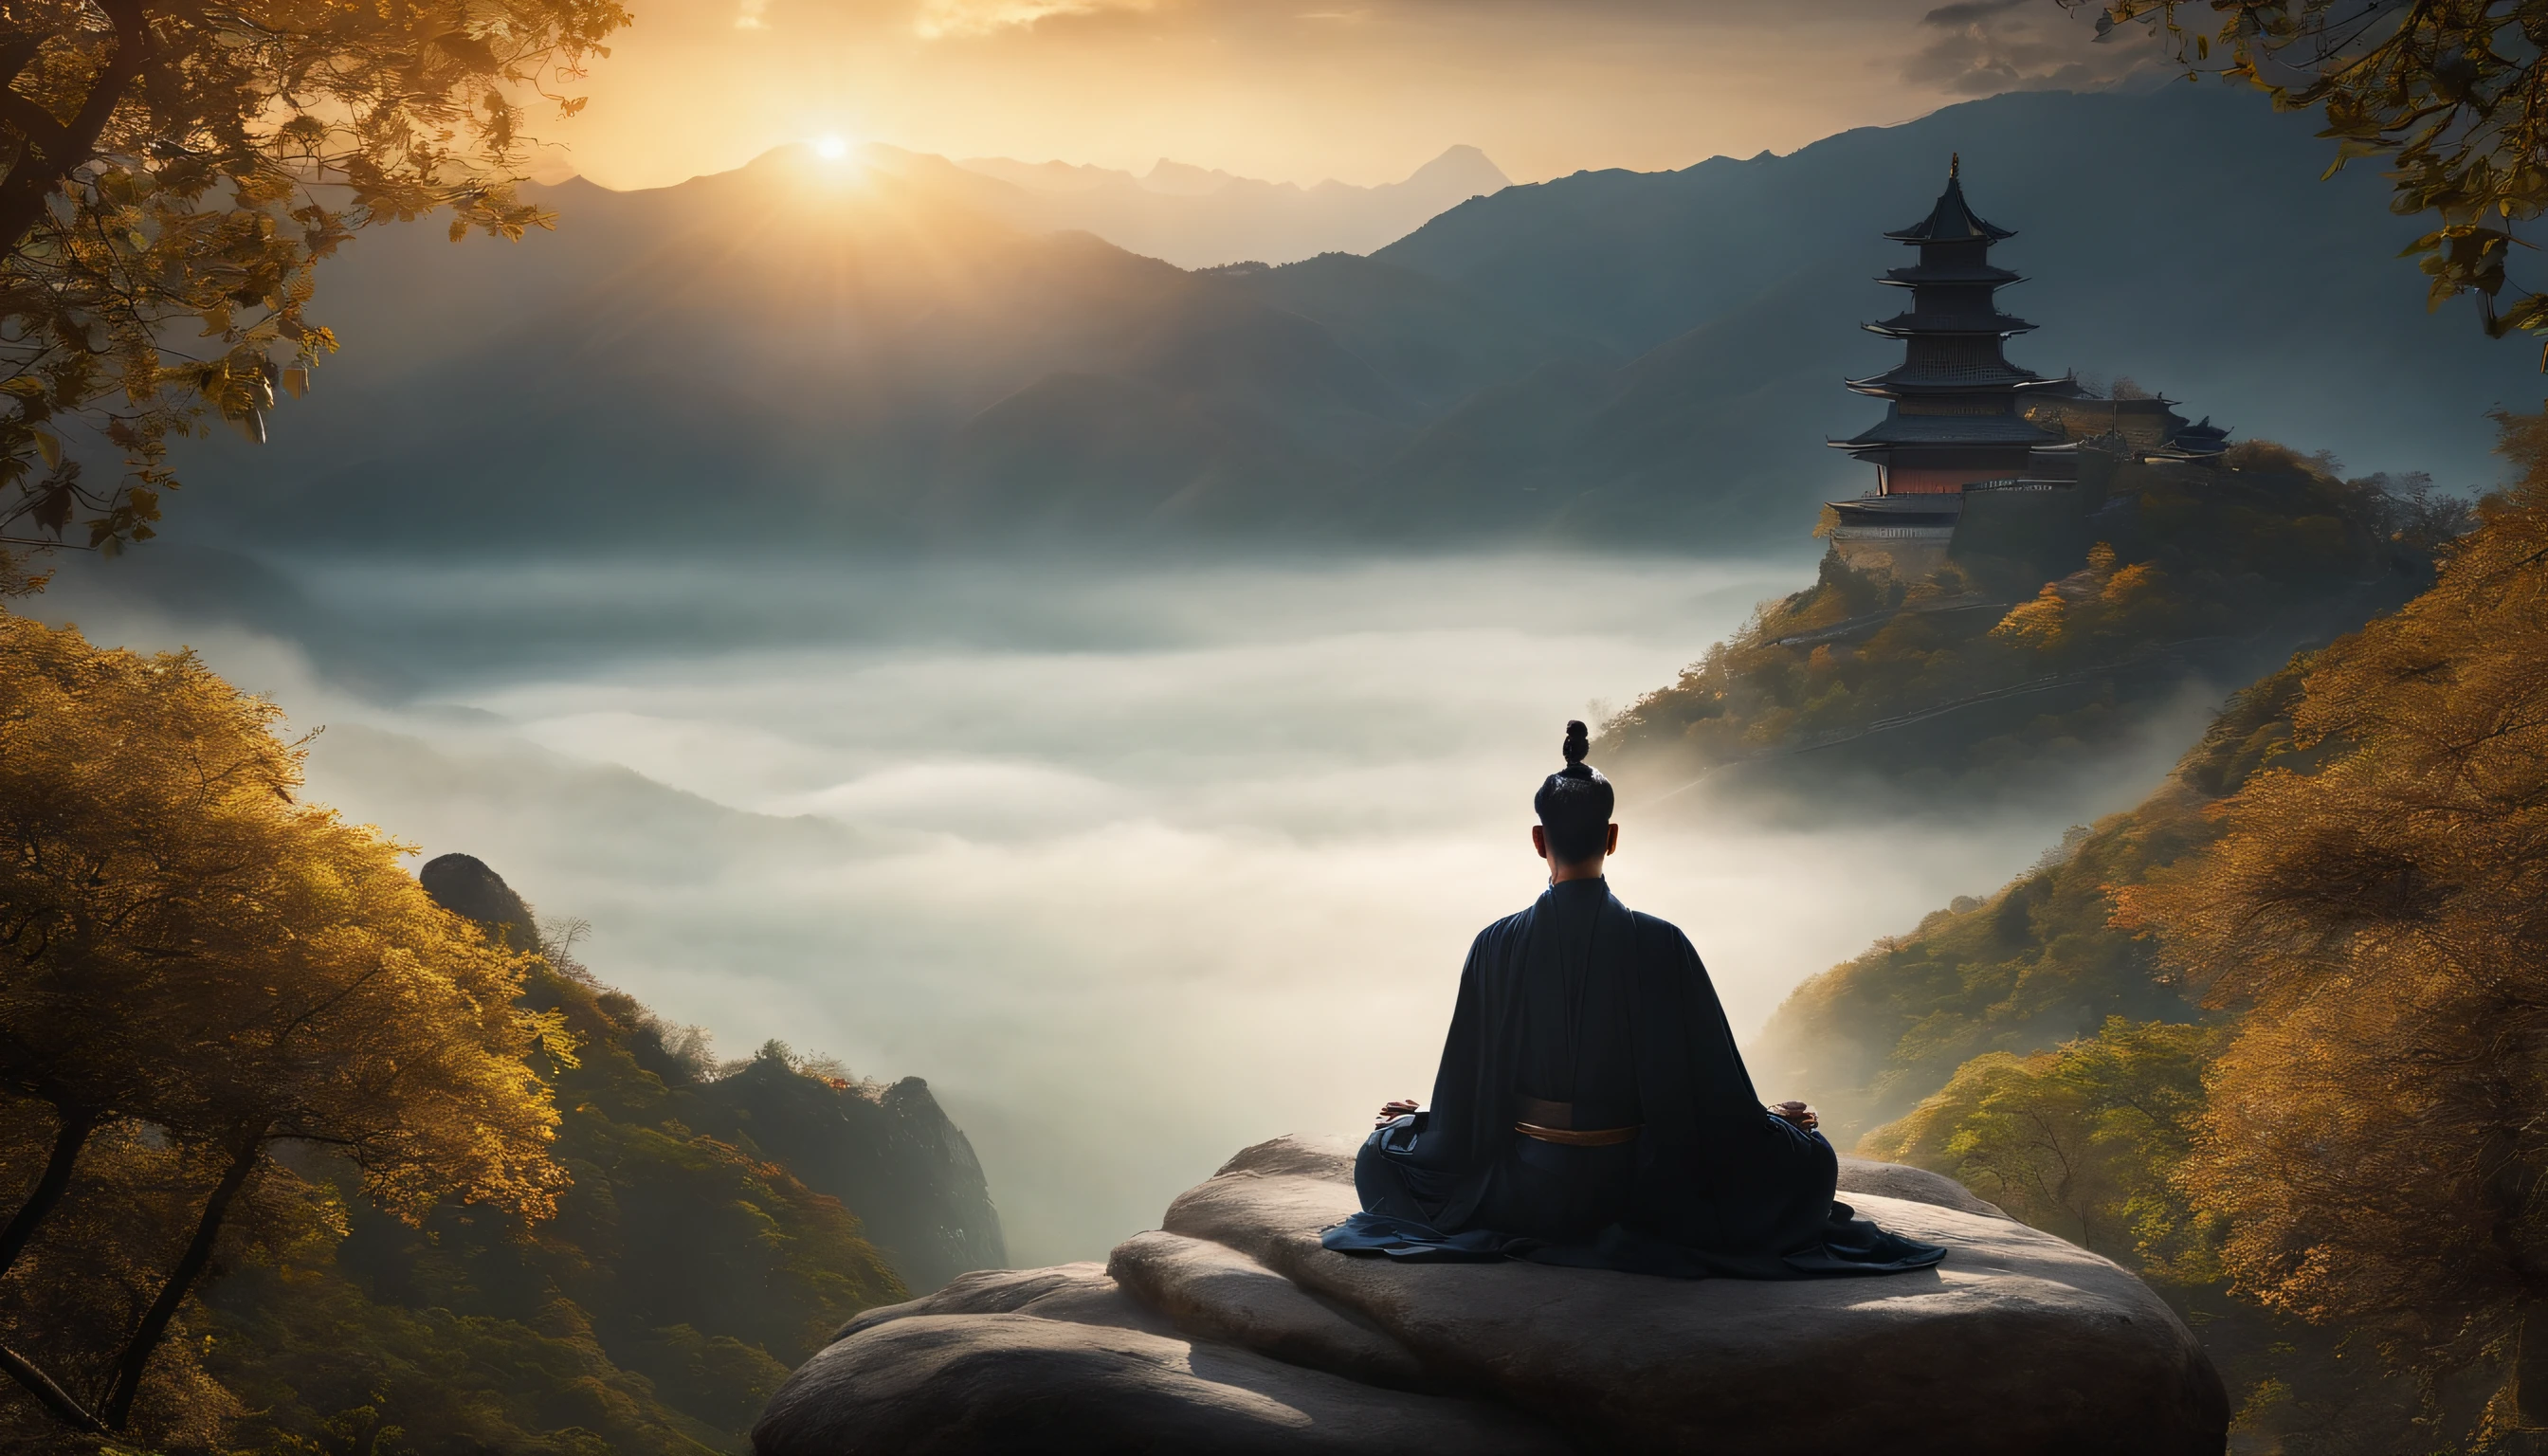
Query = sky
x=1362 y=91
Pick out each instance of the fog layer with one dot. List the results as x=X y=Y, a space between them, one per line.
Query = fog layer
x=1134 y=866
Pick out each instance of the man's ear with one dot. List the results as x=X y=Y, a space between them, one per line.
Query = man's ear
x=1611 y=845
x=1539 y=840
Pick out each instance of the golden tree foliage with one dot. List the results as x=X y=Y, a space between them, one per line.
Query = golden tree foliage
x=186 y=949
x=174 y=171
x=2378 y=1131
x=2271 y=544
x=2451 y=93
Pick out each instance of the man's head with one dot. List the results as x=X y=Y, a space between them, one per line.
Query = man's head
x=1574 y=805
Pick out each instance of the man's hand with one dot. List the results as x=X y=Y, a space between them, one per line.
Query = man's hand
x=1798 y=1113
x=1392 y=1111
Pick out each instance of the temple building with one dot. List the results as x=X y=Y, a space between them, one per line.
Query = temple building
x=1960 y=417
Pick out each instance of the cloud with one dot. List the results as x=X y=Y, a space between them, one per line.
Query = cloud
x=940 y=20
x=1076 y=843
x=1981 y=48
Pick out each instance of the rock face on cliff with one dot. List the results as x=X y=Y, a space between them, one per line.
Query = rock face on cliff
x=1231 y=1330
x=464 y=886
x=892 y=1157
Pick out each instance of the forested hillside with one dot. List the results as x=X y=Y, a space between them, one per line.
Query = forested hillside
x=2060 y=625
x=2272 y=1037
x=2029 y=966
x=304 y=1155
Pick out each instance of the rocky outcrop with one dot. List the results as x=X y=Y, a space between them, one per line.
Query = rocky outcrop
x=1228 y=1328
x=464 y=886
x=891 y=1155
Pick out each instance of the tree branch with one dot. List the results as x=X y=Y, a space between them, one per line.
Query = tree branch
x=43 y=129
x=68 y=1140
x=22 y=194
x=245 y=1151
x=52 y=1397
x=14 y=55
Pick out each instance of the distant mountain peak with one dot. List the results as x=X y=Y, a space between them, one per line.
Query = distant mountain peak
x=1463 y=167
x=1184 y=179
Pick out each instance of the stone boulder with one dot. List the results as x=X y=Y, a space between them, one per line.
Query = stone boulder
x=1229 y=1330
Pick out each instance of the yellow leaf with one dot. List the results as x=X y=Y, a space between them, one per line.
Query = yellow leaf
x=296 y=380
x=48 y=447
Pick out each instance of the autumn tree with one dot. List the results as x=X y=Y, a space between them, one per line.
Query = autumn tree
x=197 y=970
x=2377 y=1135
x=173 y=172
x=2452 y=95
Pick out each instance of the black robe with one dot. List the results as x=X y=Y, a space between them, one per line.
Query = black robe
x=1580 y=1000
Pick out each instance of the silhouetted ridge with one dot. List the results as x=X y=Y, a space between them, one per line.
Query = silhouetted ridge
x=465 y=886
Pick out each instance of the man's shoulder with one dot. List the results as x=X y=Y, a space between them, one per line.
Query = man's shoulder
x=1654 y=929
x=1511 y=925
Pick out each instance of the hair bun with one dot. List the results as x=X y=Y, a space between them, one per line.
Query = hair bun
x=1577 y=743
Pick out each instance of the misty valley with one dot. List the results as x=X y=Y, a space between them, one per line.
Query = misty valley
x=846 y=805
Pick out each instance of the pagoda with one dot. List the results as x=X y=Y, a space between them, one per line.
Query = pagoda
x=1954 y=416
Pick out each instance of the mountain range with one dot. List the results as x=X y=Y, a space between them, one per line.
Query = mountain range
x=1196 y=217
x=847 y=356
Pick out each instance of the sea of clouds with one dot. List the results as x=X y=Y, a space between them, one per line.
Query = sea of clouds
x=1133 y=864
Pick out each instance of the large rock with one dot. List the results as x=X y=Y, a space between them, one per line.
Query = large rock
x=466 y=887
x=1231 y=1330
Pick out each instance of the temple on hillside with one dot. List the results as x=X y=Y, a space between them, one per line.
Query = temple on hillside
x=1961 y=418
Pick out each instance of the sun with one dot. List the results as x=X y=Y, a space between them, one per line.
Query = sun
x=832 y=148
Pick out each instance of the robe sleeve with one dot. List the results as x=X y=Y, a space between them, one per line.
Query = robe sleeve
x=1452 y=1142
x=1690 y=1077
x=1722 y=1085
x=1719 y=1172
x=1697 y=1095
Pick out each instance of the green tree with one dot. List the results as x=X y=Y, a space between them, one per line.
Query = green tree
x=174 y=171
x=2084 y=1141
x=200 y=969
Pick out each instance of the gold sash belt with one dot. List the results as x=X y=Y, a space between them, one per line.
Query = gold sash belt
x=1580 y=1138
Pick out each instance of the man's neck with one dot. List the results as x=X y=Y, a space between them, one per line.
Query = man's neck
x=1589 y=869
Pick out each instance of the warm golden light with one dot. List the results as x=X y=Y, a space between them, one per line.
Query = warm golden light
x=832 y=148
x=1363 y=91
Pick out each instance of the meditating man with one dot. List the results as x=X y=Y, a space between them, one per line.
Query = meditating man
x=1592 y=1108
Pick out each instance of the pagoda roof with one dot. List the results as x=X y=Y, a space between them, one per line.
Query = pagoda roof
x=1950 y=273
x=1999 y=374
x=1947 y=429
x=1908 y=324
x=1951 y=219
x=2199 y=441
x=2068 y=387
